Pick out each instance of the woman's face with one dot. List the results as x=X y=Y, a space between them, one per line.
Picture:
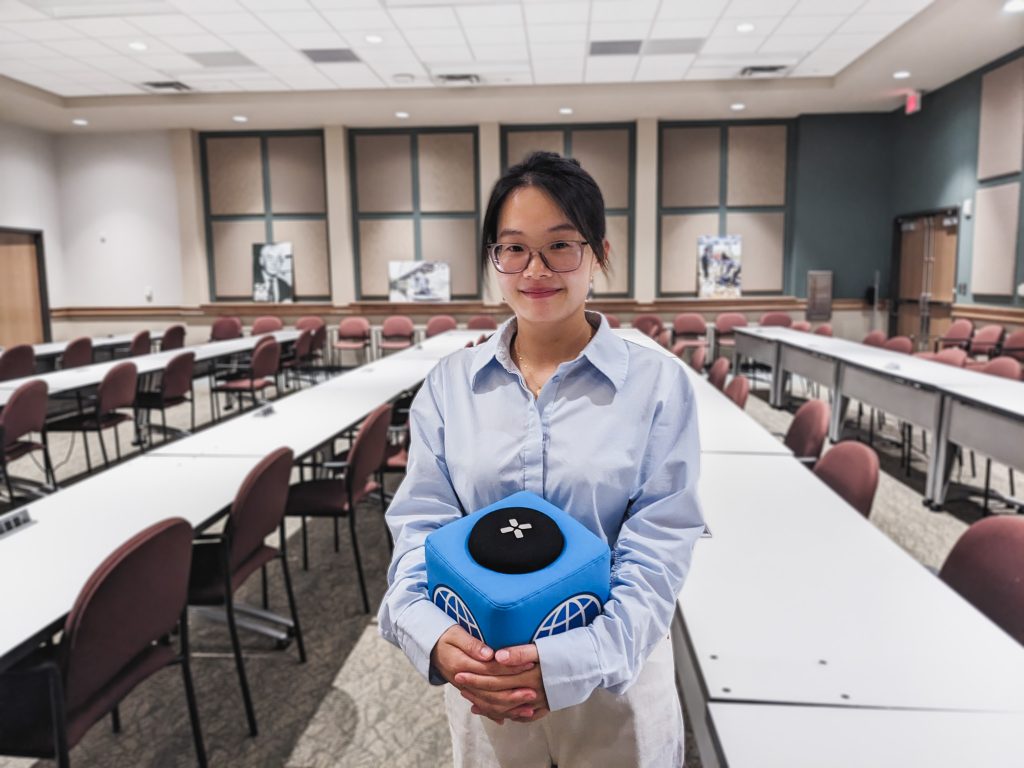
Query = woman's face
x=530 y=217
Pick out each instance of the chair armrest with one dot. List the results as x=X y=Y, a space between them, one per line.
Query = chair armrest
x=807 y=461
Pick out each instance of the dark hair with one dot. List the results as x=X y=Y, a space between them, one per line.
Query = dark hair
x=572 y=188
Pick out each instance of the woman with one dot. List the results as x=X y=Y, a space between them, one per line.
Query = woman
x=557 y=404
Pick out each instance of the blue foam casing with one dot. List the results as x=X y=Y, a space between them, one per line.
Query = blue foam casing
x=512 y=609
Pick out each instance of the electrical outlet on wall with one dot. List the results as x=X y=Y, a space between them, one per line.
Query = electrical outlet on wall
x=148 y=294
x=961 y=288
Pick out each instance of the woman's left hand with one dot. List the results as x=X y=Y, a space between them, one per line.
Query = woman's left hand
x=486 y=692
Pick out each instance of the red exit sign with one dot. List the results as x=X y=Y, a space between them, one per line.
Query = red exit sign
x=913 y=102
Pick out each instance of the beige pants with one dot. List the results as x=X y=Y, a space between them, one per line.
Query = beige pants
x=643 y=728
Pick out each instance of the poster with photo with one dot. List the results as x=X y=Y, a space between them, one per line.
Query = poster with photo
x=419 y=281
x=719 y=262
x=273 y=272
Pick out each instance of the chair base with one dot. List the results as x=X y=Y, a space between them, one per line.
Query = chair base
x=253 y=619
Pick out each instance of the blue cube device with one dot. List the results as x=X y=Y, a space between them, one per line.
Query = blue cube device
x=518 y=570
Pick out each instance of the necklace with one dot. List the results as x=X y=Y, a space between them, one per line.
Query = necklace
x=528 y=370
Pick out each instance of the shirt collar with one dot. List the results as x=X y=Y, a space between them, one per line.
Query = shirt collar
x=606 y=351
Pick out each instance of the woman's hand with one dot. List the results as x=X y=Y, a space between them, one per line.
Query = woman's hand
x=515 y=693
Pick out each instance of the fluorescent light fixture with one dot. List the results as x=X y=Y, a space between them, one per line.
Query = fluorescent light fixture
x=565 y=110
x=240 y=119
x=745 y=27
x=402 y=115
x=81 y=122
x=374 y=39
x=1014 y=6
x=138 y=45
x=738 y=106
x=901 y=74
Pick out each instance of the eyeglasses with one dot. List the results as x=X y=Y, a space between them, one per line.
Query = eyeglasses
x=559 y=256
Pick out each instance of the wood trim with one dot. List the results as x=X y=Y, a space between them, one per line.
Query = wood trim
x=990 y=314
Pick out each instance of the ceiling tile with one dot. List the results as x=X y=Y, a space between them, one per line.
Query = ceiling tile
x=326 y=38
x=684 y=45
x=230 y=23
x=825 y=7
x=424 y=18
x=167 y=24
x=627 y=30
x=615 y=47
x=490 y=15
x=205 y=43
x=808 y=25
x=791 y=43
x=25 y=51
x=575 y=50
x=623 y=10
x=332 y=56
x=558 y=71
x=304 y=79
x=293 y=21
x=610 y=69
x=872 y=23
x=43 y=30
x=272 y=61
x=352 y=75
x=222 y=60
x=655 y=68
x=895 y=6
x=763 y=26
x=859 y=43
x=510 y=35
x=745 y=8
x=81 y=48
x=263 y=85
x=256 y=42
x=493 y=52
x=366 y=18
x=260 y=6
x=6 y=36
x=104 y=27
x=206 y=6
x=556 y=13
x=683 y=28
x=705 y=9
x=11 y=10
x=443 y=54
x=344 y=4
x=711 y=73
x=121 y=45
x=435 y=36
x=557 y=33
x=174 y=62
x=745 y=44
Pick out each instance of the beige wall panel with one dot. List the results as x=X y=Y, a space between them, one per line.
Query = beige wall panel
x=232 y=255
x=616 y=280
x=996 y=224
x=234 y=171
x=604 y=155
x=311 y=254
x=382 y=241
x=757 y=165
x=679 y=235
x=384 y=173
x=21 y=315
x=296 y=174
x=763 y=235
x=1001 y=141
x=690 y=167
x=521 y=143
x=446 y=172
x=454 y=241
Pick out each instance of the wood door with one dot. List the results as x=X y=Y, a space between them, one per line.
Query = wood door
x=927 y=276
x=913 y=265
x=21 y=311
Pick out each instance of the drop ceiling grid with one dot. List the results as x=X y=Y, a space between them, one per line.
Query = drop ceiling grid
x=505 y=42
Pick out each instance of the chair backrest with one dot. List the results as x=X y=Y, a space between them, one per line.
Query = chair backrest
x=397 y=326
x=24 y=412
x=354 y=329
x=266 y=357
x=689 y=324
x=698 y=358
x=780 y=319
x=319 y=338
x=266 y=324
x=986 y=339
x=954 y=356
x=117 y=390
x=133 y=598
x=77 y=353
x=800 y=325
x=259 y=505
x=850 y=468
x=613 y=320
x=649 y=324
x=439 y=324
x=875 y=339
x=901 y=344
x=140 y=344
x=1013 y=345
x=823 y=330
x=369 y=451
x=1005 y=366
x=958 y=334
x=738 y=390
x=726 y=322
x=309 y=321
x=806 y=434
x=225 y=328
x=177 y=378
x=719 y=371
x=17 y=362
x=173 y=338
x=986 y=566
x=481 y=323
x=304 y=344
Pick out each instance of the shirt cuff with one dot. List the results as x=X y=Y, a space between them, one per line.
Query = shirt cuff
x=418 y=630
x=569 y=667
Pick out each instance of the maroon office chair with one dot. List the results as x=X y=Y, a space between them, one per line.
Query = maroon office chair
x=986 y=567
x=986 y=341
x=225 y=328
x=23 y=415
x=776 y=319
x=173 y=338
x=718 y=373
x=688 y=330
x=300 y=359
x=613 y=320
x=954 y=356
x=698 y=358
x=116 y=391
x=481 y=323
x=901 y=344
x=311 y=322
x=222 y=562
x=262 y=372
x=1013 y=345
x=801 y=325
x=823 y=330
x=808 y=430
x=958 y=335
x=353 y=335
x=649 y=324
x=17 y=362
x=725 y=329
x=850 y=468
x=141 y=344
x=317 y=348
x=738 y=390
x=396 y=332
x=117 y=634
x=266 y=324
x=1003 y=366
x=336 y=498
x=77 y=353
x=175 y=389
x=439 y=324
x=875 y=339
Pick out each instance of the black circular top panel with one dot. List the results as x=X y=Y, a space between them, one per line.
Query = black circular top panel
x=515 y=540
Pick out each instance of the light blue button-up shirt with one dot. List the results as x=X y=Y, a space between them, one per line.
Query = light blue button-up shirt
x=611 y=439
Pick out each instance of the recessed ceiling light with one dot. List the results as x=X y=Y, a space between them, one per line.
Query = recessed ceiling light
x=402 y=115
x=374 y=39
x=745 y=27
x=739 y=106
x=80 y=121
x=565 y=110
x=901 y=74
x=138 y=45
x=240 y=119
x=1014 y=6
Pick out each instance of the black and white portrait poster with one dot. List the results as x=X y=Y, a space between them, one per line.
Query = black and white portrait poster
x=419 y=281
x=273 y=272
x=719 y=261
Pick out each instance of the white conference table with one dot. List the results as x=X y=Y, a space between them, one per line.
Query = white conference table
x=771 y=736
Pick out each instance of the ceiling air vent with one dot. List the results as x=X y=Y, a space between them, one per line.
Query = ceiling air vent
x=764 y=70
x=457 y=80
x=167 y=86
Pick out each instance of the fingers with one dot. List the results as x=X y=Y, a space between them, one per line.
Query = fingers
x=477 y=711
x=519 y=716
x=499 y=704
x=491 y=682
x=518 y=654
x=468 y=644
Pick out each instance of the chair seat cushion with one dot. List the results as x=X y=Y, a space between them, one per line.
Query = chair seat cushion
x=21 y=447
x=241 y=385
x=154 y=400
x=684 y=344
x=87 y=421
x=395 y=344
x=323 y=498
x=342 y=344
x=206 y=580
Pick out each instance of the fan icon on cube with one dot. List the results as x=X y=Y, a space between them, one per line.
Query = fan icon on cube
x=518 y=570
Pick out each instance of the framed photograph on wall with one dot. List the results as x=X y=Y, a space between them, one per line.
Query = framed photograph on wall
x=719 y=264
x=273 y=272
x=419 y=281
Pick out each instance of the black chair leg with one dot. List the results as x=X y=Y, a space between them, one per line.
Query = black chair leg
x=337 y=540
x=292 y=606
x=7 y=482
x=192 y=406
x=359 y=562
x=190 y=692
x=988 y=482
x=305 y=546
x=48 y=463
x=265 y=592
x=115 y=719
x=383 y=512
x=85 y=442
x=117 y=442
x=1013 y=491
x=103 y=447
x=250 y=714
